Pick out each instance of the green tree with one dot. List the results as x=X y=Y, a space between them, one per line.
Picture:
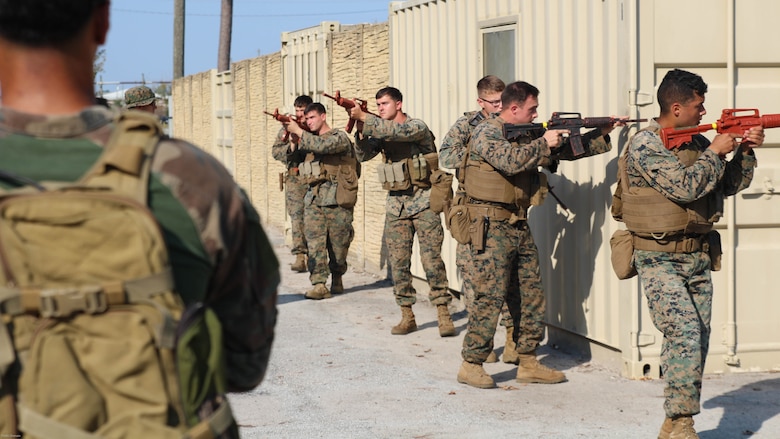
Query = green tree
x=99 y=63
x=163 y=90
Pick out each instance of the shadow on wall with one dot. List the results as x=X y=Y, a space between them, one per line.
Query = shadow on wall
x=568 y=244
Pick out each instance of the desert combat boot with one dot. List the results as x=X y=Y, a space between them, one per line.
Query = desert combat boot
x=446 y=327
x=510 y=348
x=407 y=323
x=319 y=292
x=474 y=375
x=678 y=428
x=531 y=371
x=300 y=263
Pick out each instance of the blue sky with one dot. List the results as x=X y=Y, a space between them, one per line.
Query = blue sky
x=140 y=41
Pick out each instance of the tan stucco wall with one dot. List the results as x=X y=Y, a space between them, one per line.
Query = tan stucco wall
x=359 y=66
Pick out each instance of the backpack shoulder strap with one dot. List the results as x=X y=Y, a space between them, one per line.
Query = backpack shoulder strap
x=126 y=160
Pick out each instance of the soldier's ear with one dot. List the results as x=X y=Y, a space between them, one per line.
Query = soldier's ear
x=101 y=22
x=675 y=109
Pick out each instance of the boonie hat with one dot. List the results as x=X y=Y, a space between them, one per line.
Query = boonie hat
x=139 y=96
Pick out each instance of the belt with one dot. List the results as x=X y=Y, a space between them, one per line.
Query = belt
x=672 y=244
x=493 y=212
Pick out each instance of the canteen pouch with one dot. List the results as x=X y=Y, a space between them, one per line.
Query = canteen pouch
x=622 y=245
x=441 y=190
x=347 y=187
x=457 y=219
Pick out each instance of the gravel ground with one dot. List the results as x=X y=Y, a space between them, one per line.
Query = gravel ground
x=337 y=372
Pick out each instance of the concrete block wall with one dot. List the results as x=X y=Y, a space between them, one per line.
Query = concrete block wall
x=256 y=87
x=359 y=66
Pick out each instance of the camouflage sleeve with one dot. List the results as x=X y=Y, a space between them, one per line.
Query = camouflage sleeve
x=280 y=149
x=489 y=143
x=245 y=274
x=453 y=147
x=593 y=142
x=660 y=169
x=739 y=171
x=412 y=130
x=332 y=142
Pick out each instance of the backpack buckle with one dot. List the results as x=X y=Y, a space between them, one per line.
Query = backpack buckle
x=62 y=302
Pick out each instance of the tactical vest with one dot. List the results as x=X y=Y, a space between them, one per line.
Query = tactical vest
x=647 y=213
x=485 y=183
x=405 y=166
x=318 y=168
x=343 y=170
x=94 y=340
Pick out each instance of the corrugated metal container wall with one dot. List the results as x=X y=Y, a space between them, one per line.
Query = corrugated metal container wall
x=569 y=49
x=733 y=46
x=584 y=57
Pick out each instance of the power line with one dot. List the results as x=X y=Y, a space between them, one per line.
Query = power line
x=190 y=14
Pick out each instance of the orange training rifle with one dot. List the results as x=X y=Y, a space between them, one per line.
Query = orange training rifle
x=287 y=119
x=346 y=103
x=729 y=122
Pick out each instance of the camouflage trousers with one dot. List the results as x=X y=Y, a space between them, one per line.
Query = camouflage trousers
x=399 y=236
x=462 y=260
x=295 y=190
x=506 y=271
x=328 y=233
x=678 y=287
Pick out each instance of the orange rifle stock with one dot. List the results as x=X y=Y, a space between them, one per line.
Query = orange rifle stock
x=346 y=103
x=730 y=122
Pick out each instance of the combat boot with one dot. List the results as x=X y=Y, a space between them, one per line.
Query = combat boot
x=407 y=323
x=319 y=292
x=300 y=264
x=531 y=371
x=682 y=428
x=666 y=429
x=446 y=327
x=510 y=348
x=336 y=287
x=492 y=357
x=474 y=375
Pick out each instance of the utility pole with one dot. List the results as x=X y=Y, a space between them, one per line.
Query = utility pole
x=178 y=39
x=225 y=32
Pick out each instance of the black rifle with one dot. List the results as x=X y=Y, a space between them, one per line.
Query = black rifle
x=572 y=122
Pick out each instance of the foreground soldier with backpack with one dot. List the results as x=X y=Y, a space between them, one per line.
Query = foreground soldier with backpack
x=137 y=286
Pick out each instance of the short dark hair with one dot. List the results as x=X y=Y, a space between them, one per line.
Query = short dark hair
x=681 y=87
x=42 y=23
x=517 y=92
x=490 y=84
x=393 y=92
x=315 y=106
x=302 y=101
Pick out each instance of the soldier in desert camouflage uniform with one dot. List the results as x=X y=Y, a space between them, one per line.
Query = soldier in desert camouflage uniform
x=451 y=153
x=294 y=187
x=51 y=130
x=400 y=138
x=504 y=266
x=674 y=267
x=328 y=222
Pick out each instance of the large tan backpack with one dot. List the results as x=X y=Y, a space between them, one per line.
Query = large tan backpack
x=94 y=341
